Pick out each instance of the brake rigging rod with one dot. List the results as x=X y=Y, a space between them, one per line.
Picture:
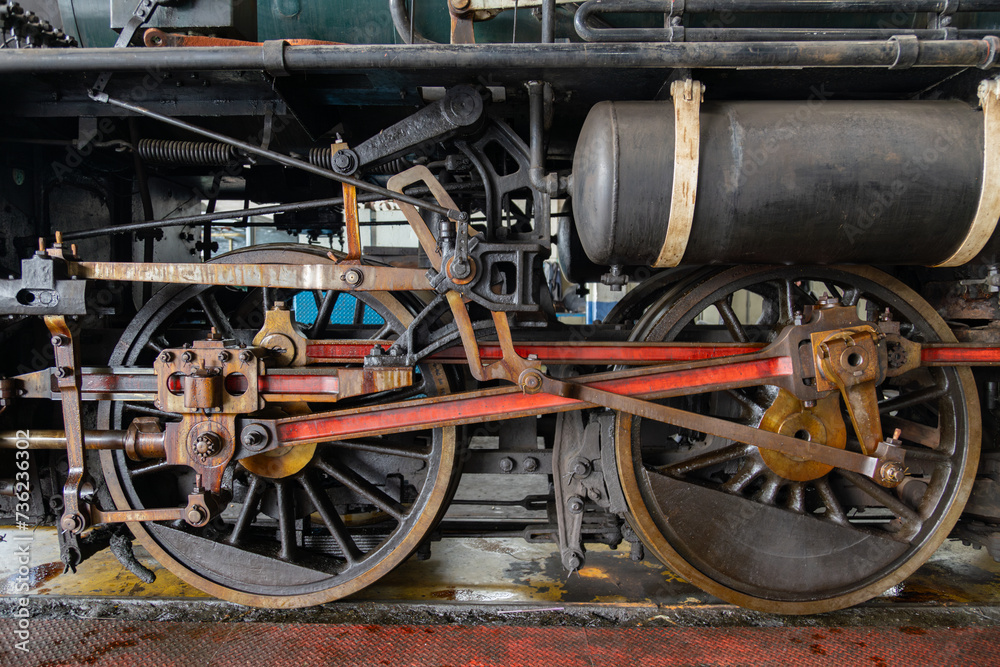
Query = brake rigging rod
x=280 y=158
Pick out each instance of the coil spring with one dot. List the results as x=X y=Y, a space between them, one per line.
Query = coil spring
x=323 y=157
x=200 y=153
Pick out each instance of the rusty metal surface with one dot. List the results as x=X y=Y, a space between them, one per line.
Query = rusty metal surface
x=308 y=276
x=74 y=518
x=154 y=37
x=351 y=223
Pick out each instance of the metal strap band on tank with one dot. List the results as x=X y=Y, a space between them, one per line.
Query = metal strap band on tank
x=988 y=211
x=688 y=96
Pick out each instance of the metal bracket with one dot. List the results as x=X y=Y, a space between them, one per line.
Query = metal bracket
x=274 y=57
x=988 y=211
x=140 y=15
x=907 y=51
x=688 y=96
x=43 y=289
x=74 y=519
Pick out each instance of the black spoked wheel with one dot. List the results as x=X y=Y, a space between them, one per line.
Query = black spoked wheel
x=307 y=524
x=776 y=534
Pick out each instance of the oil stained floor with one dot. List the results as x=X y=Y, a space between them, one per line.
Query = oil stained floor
x=494 y=571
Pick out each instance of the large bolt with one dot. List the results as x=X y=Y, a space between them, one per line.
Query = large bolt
x=354 y=277
x=461 y=4
x=827 y=301
x=572 y=560
x=196 y=515
x=506 y=464
x=223 y=356
x=58 y=340
x=166 y=357
x=72 y=523
x=246 y=356
x=254 y=437
x=187 y=357
x=575 y=505
x=581 y=467
x=206 y=445
x=891 y=473
x=63 y=372
x=530 y=381
x=530 y=464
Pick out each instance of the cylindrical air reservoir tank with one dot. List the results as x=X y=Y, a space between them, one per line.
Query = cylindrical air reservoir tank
x=818 y=181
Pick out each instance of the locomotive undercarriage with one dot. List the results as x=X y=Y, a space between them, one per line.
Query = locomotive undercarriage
x=791 y=438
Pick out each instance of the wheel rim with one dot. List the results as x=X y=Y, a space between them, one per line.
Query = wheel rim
x=741 y=532
x=349 y=516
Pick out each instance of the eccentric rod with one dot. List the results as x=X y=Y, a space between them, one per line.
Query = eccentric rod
x=280 y=158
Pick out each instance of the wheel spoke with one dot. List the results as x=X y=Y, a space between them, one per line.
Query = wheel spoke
x=323 y=313
x=797 y=497
x=249 y=510
x=146 y=410
x=362 y=487
x=151 y=468
x=359 y=312
x=732 y=322
x=908 y=400
x=286 y=520
x=786 y=300
x=769 y=491
x=213 y=311
x=834 y=511
x=832 y=290
x=157 y=344
x=705 y=460
x=385 y=448
x=747 y=473
x=877 y=493
x=331 y=519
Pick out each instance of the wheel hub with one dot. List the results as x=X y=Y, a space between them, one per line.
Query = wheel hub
x=281 y=462
x=821 y=423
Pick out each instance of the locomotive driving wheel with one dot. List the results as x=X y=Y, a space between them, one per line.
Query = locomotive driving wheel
x=307 y=524
x=782 y=535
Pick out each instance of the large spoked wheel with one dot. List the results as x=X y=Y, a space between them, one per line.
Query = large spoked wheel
x=309 y=524
x=779 y=535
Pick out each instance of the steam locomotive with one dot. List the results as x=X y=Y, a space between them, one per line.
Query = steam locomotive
x=721 y=274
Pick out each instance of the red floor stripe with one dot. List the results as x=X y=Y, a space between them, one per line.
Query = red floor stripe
x=99 y=643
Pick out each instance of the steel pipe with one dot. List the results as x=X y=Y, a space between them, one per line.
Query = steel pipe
x=502 y=57
x=784 y=6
